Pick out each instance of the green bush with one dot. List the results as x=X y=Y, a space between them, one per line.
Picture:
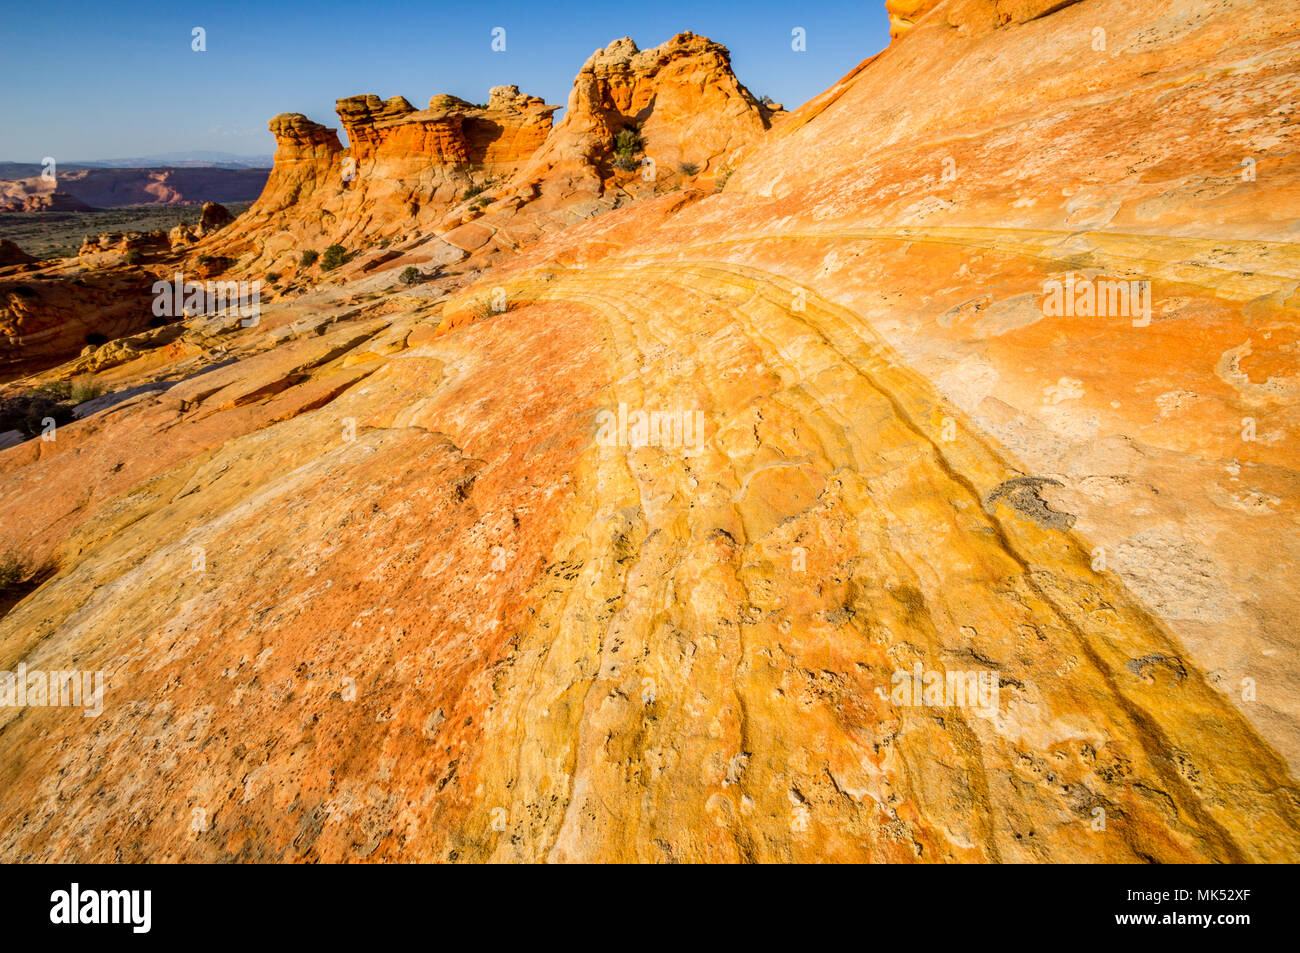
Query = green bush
x=308 y=258
x=410 y=275
x=27 y=412
x=690 y=168
x=333 y=257
x=55 y=390
x=83 y=389
x=13 y=570
x=625 y=163
x=627 y=143
x=472 y=191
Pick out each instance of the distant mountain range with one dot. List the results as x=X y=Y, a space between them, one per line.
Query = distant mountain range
x=82 y=189
x=206 y=159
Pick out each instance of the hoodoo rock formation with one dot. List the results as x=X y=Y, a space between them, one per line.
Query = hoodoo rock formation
x=680 y=99
x=492 y=178
x=211 y=218
x=683 y=111
x=984 y=546
x=403 y=169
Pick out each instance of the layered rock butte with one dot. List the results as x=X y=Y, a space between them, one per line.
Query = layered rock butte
x=409 y=173
x=367 y=587
x=404 y=167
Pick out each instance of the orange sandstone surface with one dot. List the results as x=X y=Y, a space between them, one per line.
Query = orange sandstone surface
x=374 y=578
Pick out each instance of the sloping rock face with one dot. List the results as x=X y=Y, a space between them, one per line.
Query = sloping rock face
x=969 y=16
x=402 y=573
x=402 y=170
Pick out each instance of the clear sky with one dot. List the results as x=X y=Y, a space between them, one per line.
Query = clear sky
x=108 y=80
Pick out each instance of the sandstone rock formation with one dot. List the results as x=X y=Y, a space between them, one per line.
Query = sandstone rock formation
x=680 y=101
x=211 y=218
x=681 y=98
x=45 y=319
x=490 y=179
x=402 y=170
x=375 y=579
x=11 y=254
x=122 y=242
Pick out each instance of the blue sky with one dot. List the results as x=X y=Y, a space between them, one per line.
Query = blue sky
x=107 y=80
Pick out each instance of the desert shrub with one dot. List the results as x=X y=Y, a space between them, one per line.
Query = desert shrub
x=627 y=143
x=308 y=258
x=27 y=412
x=482 y=310
x=723 y=175
x=410 y=275
x=766 y=100
x=333 y=257
x=133 y=257
x=83 y=389
x=625 y=163
x=13 y=570
x=472 y=191
x=690 y=168
x=55 y=390
x=272 y=277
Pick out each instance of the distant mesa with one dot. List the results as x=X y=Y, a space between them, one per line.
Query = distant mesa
x=80 y=190
x=53 y=201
